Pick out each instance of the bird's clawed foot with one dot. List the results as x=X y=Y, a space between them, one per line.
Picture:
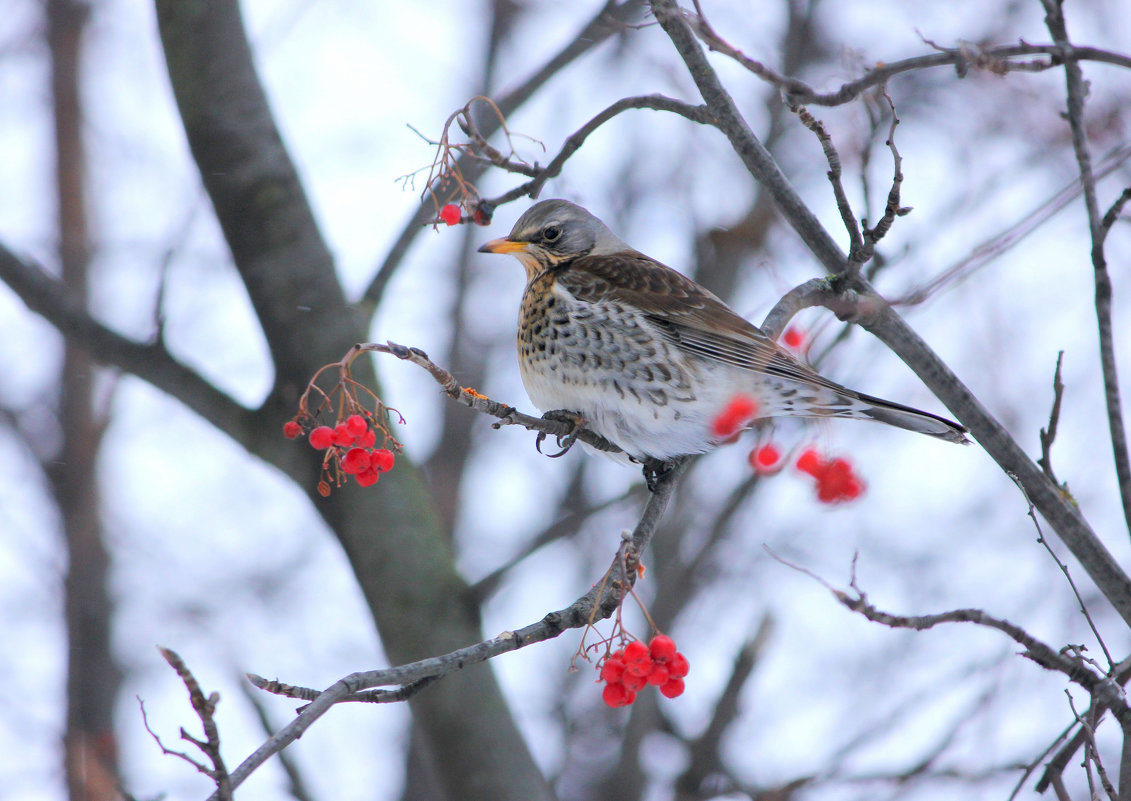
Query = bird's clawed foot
x=655 y=470
x=564 y=441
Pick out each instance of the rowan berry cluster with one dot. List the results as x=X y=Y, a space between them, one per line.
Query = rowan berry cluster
x=451 y=214
x=630 y=669
x=351 y=449
x=837 y=481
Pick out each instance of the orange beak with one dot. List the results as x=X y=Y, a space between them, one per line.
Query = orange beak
x=503 y=245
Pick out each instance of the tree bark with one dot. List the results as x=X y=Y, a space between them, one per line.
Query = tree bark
x=93 y=678
x=395 y=542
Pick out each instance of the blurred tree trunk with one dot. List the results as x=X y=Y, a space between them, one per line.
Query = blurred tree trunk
x=397 y=544
x=93 y=678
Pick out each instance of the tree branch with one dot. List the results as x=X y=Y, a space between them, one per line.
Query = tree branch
x=1076 y=91
x=611 y=18
x=575 y=140
x=597 y=604
x=991 y=59
x=892 y=330
x=48 y=297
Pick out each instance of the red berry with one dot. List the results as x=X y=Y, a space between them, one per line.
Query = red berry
x=735 y=415
x=451 y=214
x=356 y=425
x=838 y=469
x=291 y=429
x=793 y=337
x=616 y=695
x=342 y=437
x=678 y=666
x=356 y=460
x=834 y=488
x=321 y=437
x=765 y=459
x=381 y=460
x=612 y=670
x=662 y=648
x=635 y=651
x=659 y=675
x=811 y=462
x=367 y=478
x=366 y=440
x=827 y=492
x=633 y=682
x=481 y=217
x=641 y=668
x=672 y=688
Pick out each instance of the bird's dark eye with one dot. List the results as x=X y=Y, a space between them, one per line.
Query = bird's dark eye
x=551 y=233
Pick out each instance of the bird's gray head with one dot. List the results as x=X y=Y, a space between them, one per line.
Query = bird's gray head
x=553 y=231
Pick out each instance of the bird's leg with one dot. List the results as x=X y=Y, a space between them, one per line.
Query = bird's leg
x=654 y=470
x=564 y=441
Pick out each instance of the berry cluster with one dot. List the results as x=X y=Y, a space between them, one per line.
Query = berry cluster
x=739 y=411
x=836 y=479
x=452 y=215
x=351 y=446
x=629 y=669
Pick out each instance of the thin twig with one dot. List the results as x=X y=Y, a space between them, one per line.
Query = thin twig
x=599 y=603
x=893 y=207
x=655 y=102
x=297 y=783
x=507 y=415
x=1048 y=435
x=1091 y=753
x=848 y=218
x=1110 y=670
x=1077 y=92
x=210 y=746
x=1077 y=670
x=606 y=22
x=997 y=60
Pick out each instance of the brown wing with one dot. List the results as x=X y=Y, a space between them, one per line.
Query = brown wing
x=684 y=313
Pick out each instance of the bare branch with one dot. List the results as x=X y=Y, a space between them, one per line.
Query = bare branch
x=49 y=297
x=606 y=22
x=297 y=787
x=599 y=603
x=473 y=400
x=893 y=208
x=1077 y=91
x=1048 y=435
x=1101 y=687
x=847 y=305
x=1110 y=669
x=574 y=141
x=997 y=60
x=856 y=241
x=1091 y=754
x=402 y=693
x=204 y=708
x=891 y=329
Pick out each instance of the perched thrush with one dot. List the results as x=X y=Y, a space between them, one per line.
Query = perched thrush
x=647 y=357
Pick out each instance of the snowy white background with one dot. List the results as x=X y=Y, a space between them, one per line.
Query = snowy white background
x=939 y=528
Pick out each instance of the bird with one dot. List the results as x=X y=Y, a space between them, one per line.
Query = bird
x=647 y=358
